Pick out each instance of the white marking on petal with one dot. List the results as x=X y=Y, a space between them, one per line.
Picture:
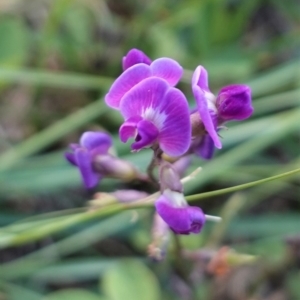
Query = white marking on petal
x=153 y=115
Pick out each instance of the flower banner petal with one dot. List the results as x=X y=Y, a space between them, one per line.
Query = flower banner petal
x=168 y=69
x=125 y=82
x=144 y=99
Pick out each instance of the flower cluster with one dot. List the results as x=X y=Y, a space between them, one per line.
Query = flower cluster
x=157 y=116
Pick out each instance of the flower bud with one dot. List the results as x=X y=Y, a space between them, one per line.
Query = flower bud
x=169 y=178
x=114 y=167
x=234 y=102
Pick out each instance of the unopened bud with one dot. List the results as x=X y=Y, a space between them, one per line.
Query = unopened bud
x=114 y=167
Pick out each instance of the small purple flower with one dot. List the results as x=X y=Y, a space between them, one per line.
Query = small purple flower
x=171 y=205
x=156 y=113
x=133 y=57
x=137 y=67
x=181 y=218
x=91 y=144
x=233 y=102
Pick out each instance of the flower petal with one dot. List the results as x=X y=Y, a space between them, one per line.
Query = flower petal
x=133 y=57
x=70 y=158
x=234 y=102
x=182 y=220
x=168 y=69
x=175 y=135
x=96 y=140
x=129 y=128
x=200 y=78
x=125 y=82
x=205 y=148
x=146 y=136
x=144 y=99
x=182 y=164
x=206 y=115
x=84 y=163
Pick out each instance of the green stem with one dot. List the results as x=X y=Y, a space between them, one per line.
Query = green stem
x=239 y=187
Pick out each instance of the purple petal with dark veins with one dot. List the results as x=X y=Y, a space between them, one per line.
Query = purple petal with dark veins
x=133 y=57
x=93 y=140
x=182 y=220
x=84 y=163
x=168 y=69
x=175 y=135
x=205 y=147
x=206 y=115
x=234 y=102
x=129 y=128
x=125 y=82
x=146 y=135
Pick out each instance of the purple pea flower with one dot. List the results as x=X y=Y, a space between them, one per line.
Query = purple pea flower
x=233 y=102
x=137 y=67
x=133 y=57
x=172 y=206
x=156 y=114
x=90 y=145
x=181 y=218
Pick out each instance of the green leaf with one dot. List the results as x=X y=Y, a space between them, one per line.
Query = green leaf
x=14 y=42
x=130 y=279
x=74 y=294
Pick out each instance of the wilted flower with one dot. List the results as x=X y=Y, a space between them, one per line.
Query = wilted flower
x=137 y=67
x=156 y=113
x=233 y=102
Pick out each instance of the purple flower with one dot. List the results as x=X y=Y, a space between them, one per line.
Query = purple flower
x=137 y=67
x=233 y=102
x=90 y=145
x=133 y=57
x=171 y=205
x=156 y=113
x=181 y=218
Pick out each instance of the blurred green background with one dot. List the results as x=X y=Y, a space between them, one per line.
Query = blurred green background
x=57 y=61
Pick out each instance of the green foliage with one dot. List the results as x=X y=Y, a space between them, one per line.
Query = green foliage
x=130 y=279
